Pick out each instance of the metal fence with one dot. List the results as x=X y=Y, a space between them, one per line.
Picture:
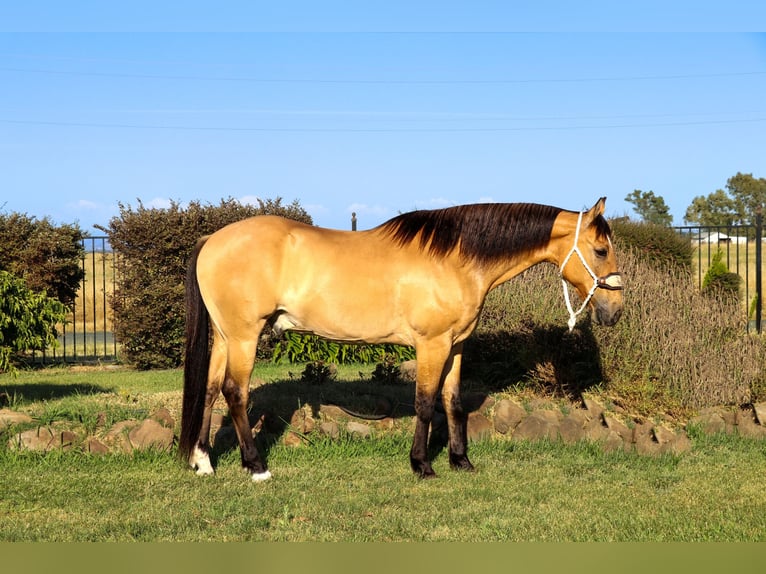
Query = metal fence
x=741 y=250
x=88 y=334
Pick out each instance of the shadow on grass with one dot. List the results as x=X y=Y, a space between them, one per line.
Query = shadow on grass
x=548 y=359
x=23 y=393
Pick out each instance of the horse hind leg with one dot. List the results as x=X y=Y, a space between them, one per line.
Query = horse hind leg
x=200 y=455
x=236 y=391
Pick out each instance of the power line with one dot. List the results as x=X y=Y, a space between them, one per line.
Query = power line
x=496 y=81
x=376 y=130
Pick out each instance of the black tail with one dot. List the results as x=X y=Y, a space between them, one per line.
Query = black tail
x=197 y=359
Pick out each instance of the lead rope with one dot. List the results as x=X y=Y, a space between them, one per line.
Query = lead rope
x=575 y=249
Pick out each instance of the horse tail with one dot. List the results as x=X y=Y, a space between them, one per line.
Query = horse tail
x=197 y=358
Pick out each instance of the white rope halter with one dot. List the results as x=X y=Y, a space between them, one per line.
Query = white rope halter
x=575 y=249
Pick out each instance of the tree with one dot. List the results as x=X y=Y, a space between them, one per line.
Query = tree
x=27 y=320
x=651 y=208
x=48 y=257
x=748 y=193
x=737 y=206
x=715 y=209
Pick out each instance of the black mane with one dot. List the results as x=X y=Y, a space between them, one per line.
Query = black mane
x=483 y=231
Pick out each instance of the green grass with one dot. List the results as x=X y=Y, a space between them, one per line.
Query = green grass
x=362 y=490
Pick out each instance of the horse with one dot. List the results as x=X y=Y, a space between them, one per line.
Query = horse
x=419 y=279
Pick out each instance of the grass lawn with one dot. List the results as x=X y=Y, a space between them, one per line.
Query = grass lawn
x=354 y=489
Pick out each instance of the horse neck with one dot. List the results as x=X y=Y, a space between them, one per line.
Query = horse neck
x=507 y=268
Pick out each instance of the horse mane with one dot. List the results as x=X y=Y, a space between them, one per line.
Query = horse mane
x=483 y=232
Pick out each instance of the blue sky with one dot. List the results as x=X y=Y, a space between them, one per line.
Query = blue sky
x=373 y=107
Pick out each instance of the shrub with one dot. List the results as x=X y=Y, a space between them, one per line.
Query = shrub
x=719 y=281
x=27 y=320
x=46 y=256
x=658 y=245
x=153 y=246
x=303 y=348
x=674 y=349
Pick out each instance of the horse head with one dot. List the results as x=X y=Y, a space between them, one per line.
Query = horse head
x=587 y=261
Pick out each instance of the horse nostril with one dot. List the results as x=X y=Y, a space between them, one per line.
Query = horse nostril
x=606 y=317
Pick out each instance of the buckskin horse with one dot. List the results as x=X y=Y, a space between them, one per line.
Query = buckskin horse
x=419 y=279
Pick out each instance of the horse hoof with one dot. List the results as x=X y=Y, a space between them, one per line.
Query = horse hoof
x=462 y=464
x=261 y=476
x=200 y=462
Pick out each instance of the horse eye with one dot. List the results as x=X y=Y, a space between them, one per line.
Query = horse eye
x=601 y=252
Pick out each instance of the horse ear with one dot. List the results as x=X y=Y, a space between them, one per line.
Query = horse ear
x=595 y=211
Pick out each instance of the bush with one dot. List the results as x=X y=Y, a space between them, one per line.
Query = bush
x=304 y=348
x=27 y=320
x=674 y=349
x=655 y=244
x=153 y=246
x=46 y=256
x=719 y=281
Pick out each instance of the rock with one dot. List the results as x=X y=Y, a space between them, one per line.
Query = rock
x=292 y=439
x=479 y=427
x=709 y=422
x=301 y=421
x=747 y=425
x=333 y=412
x=9 y=417
x=163 y=416
x=595 y=429
x=508 y=414
x=117 y=436
x=408 y=371
x=613 y=442
x=680 y=444
x=151 y=434
x=616 y=425
x=330 y=428
x=760 y=413
x=594 y=408
x=359 y=429
x=38 y=439
x=65 y=440
x=644 y=439
x=663 y=435
x=538 y=425
x=95 y=446
x=572 y=427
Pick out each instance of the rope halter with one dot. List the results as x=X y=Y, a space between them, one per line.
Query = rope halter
x=612 y=282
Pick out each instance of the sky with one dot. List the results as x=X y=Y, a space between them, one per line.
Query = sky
x=374 y=107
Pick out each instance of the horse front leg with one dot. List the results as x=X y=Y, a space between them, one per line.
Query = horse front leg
x=457 y=419
x=430 y=366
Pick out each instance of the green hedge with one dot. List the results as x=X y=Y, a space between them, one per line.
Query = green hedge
x=153 y=246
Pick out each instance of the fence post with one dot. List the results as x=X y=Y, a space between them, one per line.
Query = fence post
x=758 y=265
x=353 y=221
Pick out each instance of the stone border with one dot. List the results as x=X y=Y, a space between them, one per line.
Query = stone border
x=489 y=419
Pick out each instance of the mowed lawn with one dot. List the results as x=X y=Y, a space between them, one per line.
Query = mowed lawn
x=354 y=489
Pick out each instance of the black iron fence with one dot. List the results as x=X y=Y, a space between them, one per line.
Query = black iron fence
x=88 y=334
x=741 y=250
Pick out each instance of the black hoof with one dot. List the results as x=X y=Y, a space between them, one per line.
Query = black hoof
x=422 y=469
x=461 y=463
